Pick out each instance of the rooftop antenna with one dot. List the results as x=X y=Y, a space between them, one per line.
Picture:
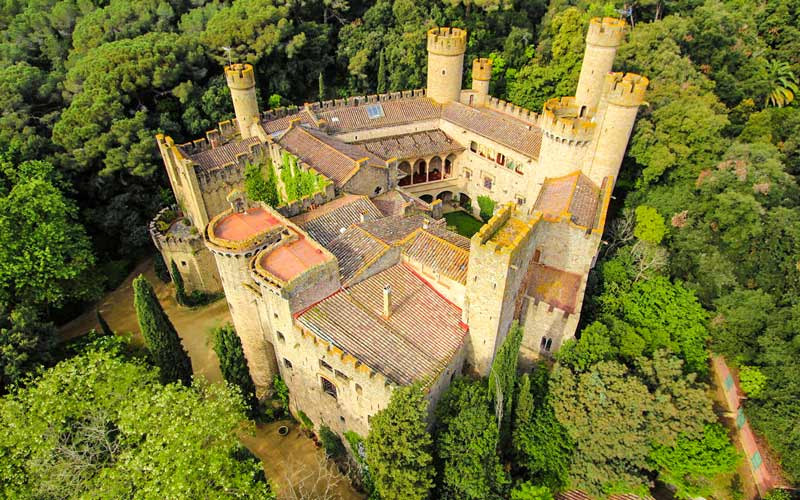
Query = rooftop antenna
x=228 y=51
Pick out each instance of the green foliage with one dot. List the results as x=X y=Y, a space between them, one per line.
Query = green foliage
x=281 y=392
x=100 y=426
x=160 y=337
x=307 y=423
x=399 y=447
x=486 y=205
x=752 y=381
x=298 y=183
x=593 y=346
x=177 y=279
x=467 y=438
x=259 y=187
x=161 y=268
x=528 y=491
x=331 y=442
x=690 y=462
x=778 y=494
x=233 y=364
x=25 y=343
x=503 y=375
x=650 y=226
x=783 y=82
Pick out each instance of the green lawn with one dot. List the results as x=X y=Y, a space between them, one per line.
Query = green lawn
x=464 y=224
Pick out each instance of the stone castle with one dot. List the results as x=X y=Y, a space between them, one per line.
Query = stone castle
x=359 y=286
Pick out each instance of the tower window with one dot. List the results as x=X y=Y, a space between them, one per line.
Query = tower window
x=359 y=390
x=444 y=72
x=487 y=182
x=183 y=263
x=473 y=146
x=280 y=336
x=341 y=375
x=287 y=363
x=546 y=344
x=325 y=365
x=328 y=388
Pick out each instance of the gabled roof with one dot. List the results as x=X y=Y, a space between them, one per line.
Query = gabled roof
x=404 y=347
x=336 y=160
x=553 y=286
x=509 y=131
x=574 y=196
x=437 y=254
x=224 y=154
x=326 y=222
x=431 y=142
x=399 y=111
x=356 y=249
x=274 y=125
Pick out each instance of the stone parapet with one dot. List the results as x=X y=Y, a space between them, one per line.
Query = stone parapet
x=606 y=31
x=447 y=41
x=482 y=69
x=240 y=76
x=561 y=120
x=512 y=110
x=626 y=89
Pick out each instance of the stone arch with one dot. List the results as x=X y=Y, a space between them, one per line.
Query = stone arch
x=435 y=169
x=464 y=201
x=404 y=168
x=448 y=165
x=427 y=198
x=420 y=171
x=446 y=197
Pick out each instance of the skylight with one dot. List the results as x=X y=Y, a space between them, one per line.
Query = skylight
x=374 y=111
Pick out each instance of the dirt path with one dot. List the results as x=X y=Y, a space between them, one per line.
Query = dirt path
x=193 y=325
x=292 y=459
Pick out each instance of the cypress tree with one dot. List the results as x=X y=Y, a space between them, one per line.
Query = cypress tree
x=399 y=447
x=160 y=268
x=233 y=364
x=321 y=87
x=159 y=335
x=180 y=290
x=503 y=376
x=381 y=73
x=103 y=324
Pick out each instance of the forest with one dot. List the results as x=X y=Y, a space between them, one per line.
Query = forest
x=702 y=254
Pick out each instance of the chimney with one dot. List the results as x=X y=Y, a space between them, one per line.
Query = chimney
x=363 y=217
x=425 y=224
x=387 y=301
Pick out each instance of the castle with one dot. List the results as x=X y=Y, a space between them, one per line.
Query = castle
x=355 y=285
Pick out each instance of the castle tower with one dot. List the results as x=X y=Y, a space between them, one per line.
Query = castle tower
x=566 y=137
x=602 y=40
x=242 y=82
x=498 y=258
x=446 y=47
x=621 y=98
x=481 y=76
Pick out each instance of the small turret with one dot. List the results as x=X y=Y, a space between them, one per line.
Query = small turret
x=566 y=136
x=621 y=98
x=242 y=83
x=602 y=40
x=481 y=76
x=446 y=48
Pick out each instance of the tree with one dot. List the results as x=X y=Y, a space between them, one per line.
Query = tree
x=321 y=89
x=233 y=364
x=45 y=255
x=177 y=279
x=691 y=461
x=783 y=84
x=159 y=335
x=486 y=205
x=259 y=187
x=467 y=437
x=399 y=447
x=503 y=375
x=650 y=227
x=527 y=491
x=593 y=346
x=382 y=73
x=752 y=381
x=101 y=426
x=25 y=343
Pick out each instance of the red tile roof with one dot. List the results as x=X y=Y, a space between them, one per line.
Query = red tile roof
x=222 y=155
x=573 y=195
x=432 y=142
x=395 y=112
x=579 y=495
x=404 y=347
x=241 y=226
x=288 y=260
x=325 y=223
x=355 y=249
x=509 y=131
x=553 y=286
x=437 y=254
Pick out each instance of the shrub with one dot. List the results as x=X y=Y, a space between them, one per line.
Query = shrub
x=486 y=206
x=752 y=381
x=331 y=442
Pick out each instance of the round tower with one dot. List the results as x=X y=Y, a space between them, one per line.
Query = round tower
x=566 y=136
x=481 y=76
x=621 y=98
x=602 y=40
x=446 y=47
x=242 y=82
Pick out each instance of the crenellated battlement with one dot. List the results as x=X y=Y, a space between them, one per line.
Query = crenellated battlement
x=240 y=76
x=188 y=241
x=446 y=41
x=606 y=31
x=625 y=89
x=561 y=120
x=512 y=110
x=482 y=69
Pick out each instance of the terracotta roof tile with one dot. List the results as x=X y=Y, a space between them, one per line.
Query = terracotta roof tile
x=222 y=155
x=331 y=157
x=288 y=260
x=403 y=347
x=554 y=286
x=395 y=112
x=355 y=249
x=509 y=131
x=438 y=255
x=580 y=495
x=427 y=143
x=275 y=125
x=325 y=222
x=574 y=194
x=396 y=227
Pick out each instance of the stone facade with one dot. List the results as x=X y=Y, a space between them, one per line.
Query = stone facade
x=382 y=294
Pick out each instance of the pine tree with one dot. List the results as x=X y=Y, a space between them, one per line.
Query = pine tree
x=180 y=290
x=233 y=364
x=159 y=335
x=103 y=324
x=399 y=447
x=381 y=74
